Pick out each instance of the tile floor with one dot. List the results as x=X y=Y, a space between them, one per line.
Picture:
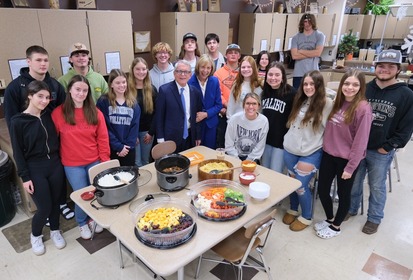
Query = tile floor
x=386 y=255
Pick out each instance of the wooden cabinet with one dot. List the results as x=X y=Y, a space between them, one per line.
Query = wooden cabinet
x=19 y=29
x=56 y=30
x=254 y=33
x=353 y=22
x=259 y=32
x=110 y=31
x=175 y=25
x=291 y=29
x=325 y=23
x=379 y=26
x=368 y=24
x=373 y=27
x=58 y=36
x=278 y=32
x=402 y=27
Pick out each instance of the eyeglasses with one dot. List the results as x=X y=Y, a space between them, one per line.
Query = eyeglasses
x=251 y=104
x=180 y=72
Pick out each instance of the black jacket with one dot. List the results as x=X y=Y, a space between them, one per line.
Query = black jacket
x=15 y=95
x=32 y=139
x=392 y=115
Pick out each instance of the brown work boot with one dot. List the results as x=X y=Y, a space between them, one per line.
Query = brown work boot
x=370 y=228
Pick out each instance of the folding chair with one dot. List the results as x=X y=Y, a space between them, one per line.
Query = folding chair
x=236 y=248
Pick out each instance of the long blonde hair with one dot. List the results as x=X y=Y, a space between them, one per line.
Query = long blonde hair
x=129 y=95
x=148 y=106
x=254 y=81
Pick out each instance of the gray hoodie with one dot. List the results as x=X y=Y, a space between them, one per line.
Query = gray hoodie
x=159 y=78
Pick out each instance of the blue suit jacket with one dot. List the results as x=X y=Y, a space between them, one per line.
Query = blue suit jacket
x=211 y=102
x=170 y=113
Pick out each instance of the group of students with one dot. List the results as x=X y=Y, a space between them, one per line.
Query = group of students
x=257 y=117
x=304 y=131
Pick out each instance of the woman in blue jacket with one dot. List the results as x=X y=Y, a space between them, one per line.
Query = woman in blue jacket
x=204 y=80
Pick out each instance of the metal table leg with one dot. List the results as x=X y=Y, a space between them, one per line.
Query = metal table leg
x=120 y=254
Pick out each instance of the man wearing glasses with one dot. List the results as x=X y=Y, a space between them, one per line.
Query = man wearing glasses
x=176 y=108
x=306 y=48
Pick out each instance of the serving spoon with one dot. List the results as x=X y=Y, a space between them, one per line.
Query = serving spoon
x=230 y=202
x=117 y=178
x=216 y=171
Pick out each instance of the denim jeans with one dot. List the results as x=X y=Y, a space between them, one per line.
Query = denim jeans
x=375 y=165
x=142 y=150
x=302 y=197
x=78 y=178
x=273 y=158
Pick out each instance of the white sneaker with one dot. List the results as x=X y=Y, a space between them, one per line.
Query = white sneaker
x=85 y=232
x=37 y=244
x=92 y=224
x=57 y=239
x=321 y=225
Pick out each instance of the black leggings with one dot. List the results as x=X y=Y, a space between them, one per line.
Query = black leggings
x=331 y=167
x=48 y=179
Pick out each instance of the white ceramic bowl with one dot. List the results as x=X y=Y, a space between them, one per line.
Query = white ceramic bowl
x=259 y=190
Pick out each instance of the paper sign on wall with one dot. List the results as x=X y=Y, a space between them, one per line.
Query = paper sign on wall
x=277 y=44
x=64 y=64
x=263 y=46
x=289 y=43
x=15 y=65
x=112 y=61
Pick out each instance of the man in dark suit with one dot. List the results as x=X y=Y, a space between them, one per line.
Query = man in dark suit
x=176 y=108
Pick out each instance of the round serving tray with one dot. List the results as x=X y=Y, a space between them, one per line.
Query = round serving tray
x=242 y=212
x=170 y=246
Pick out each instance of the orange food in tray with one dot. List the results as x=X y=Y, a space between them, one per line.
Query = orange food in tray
x=194 y=157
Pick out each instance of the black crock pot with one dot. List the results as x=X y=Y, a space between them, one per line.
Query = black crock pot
x=176 y=180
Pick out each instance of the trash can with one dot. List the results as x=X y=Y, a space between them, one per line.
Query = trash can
x=7 y=205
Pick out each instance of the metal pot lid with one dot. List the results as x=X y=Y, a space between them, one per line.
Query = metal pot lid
x=164 y=148
x=137 y=202
x=144 y=177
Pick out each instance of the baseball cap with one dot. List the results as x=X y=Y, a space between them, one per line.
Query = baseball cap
x=77 y=47
x=389 y=56
x=233 y=47
x=189 y=36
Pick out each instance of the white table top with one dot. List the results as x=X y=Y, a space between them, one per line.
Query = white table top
x=165 y=262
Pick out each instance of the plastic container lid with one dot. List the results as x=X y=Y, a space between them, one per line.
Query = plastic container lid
x=3 y=158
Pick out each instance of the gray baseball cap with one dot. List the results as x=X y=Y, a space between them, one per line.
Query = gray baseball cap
x=389 y=56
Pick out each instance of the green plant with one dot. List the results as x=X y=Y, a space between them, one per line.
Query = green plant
x=348 y=44
x=380 y=8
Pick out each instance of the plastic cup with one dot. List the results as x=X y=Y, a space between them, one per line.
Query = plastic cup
x=220 y=153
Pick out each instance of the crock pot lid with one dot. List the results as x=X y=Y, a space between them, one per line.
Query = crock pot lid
x=3 y=157
x=137 y=202
x=164 y=148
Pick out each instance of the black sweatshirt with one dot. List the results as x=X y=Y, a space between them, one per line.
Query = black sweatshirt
x=32 y=139
x=392 y=115
x=15 y=95
x=277 y=109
